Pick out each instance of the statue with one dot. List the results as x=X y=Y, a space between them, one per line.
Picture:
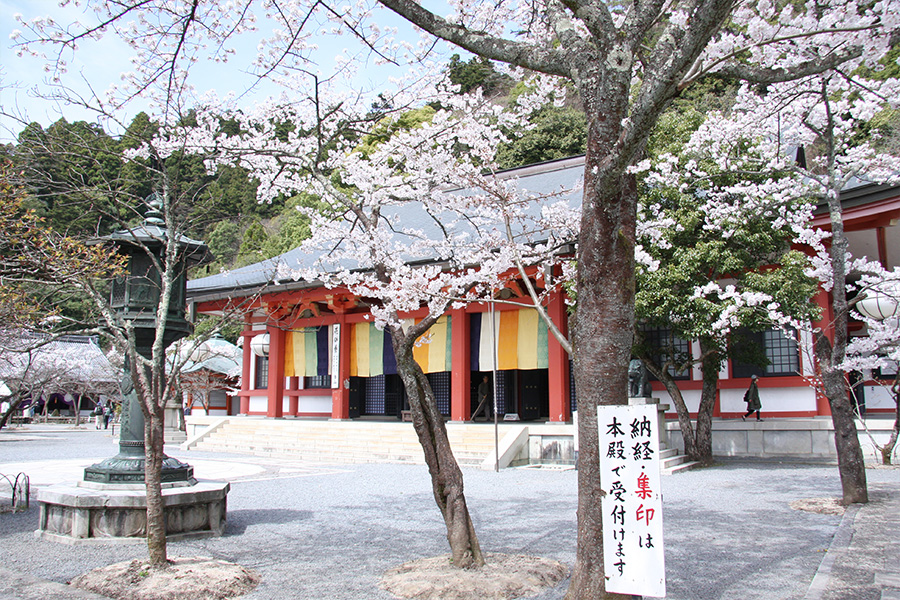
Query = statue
x=638 y=380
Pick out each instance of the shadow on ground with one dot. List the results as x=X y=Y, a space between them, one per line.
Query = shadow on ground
x=239 y=520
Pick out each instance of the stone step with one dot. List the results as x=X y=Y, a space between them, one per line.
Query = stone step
x=672 y=462
x=340 y=442
x=333 y=455
x=667 y=453
x=684 y=466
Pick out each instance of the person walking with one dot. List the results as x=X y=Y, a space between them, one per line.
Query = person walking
x=751 y=397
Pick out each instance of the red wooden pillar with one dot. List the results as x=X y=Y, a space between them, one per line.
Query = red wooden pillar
x=275 y=392
x=823 y=299
x=293 y=401
x=247 y=357
x=340 y=396
x=461 y=373
x=558 y=362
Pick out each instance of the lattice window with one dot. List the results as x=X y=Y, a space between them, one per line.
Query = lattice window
x=375 y=404
x=440 y=384
x=262 y=372
x=775 y=348
x=666 y=346
x=317 y=382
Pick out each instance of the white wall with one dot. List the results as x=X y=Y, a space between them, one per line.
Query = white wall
x=879 y=396
x=774 y=400
x=314 y=404
x=259 y=404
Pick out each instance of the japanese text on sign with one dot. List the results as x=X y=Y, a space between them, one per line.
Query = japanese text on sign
x=632 y=502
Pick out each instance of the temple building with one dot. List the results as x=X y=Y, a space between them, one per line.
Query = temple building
x=312 y=351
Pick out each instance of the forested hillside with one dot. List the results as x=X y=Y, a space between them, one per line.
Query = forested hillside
x=83 y=181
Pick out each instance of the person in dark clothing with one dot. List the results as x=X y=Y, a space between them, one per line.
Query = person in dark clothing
x=751 y=397
x=484 y=398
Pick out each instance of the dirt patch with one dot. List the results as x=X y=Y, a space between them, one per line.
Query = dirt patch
x=822 y=506
x=195 y=578
x=503 y=576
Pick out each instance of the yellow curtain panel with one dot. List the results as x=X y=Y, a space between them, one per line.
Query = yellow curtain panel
x=306 y=352
x=521 y=338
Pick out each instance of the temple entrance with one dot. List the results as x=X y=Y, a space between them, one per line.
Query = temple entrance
x=523 y=392
x=385 y=395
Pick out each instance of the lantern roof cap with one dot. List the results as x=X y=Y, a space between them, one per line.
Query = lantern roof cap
x=153 y=233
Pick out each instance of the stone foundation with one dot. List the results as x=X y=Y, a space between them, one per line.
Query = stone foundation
x=84 y=513
x=797 y=438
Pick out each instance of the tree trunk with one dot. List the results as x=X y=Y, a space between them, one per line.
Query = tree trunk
x=13 y=407
x=154 y=442
x=830 y=355
x=681 y=409
x=446 y=476
x=887 y=451
x=710 y=364
x=603 y=338
x=851 y=463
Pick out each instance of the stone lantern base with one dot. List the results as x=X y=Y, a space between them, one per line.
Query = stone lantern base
x=87 y=512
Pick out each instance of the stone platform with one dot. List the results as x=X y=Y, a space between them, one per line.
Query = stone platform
x=87 y=513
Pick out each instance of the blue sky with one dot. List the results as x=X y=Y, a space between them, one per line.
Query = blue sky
x=101 y=63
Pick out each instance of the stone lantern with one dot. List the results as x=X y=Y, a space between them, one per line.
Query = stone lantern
x=110 y=501
x=135 y=297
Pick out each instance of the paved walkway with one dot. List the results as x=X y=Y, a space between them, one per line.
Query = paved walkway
x=327 y=531
x=863 y=560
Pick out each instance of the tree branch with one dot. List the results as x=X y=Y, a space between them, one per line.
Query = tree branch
x=542 y=59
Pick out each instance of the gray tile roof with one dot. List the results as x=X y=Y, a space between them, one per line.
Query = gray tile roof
x=544 y=178
x=540 y=179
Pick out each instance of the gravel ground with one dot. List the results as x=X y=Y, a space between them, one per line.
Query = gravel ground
x=329 y=531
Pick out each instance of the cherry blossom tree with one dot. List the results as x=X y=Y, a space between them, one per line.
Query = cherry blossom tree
x=718 y=261
x=827 y=115
x=32 y=253
x=415 y=219
x=627 y=61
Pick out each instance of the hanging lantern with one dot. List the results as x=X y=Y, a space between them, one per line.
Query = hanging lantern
x=880 y=303
x=259 y=345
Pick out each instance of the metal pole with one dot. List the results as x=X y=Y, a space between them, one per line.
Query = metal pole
x=494 y=399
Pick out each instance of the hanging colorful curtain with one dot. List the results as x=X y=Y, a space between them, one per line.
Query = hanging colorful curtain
x=520 y=336
x=372 y=354
x=433 y=350
x=306 y=352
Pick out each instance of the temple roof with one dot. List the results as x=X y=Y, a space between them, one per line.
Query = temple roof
x=544 y=178
x=540 y=179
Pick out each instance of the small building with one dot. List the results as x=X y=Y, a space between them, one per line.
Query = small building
x=59 y=375
x=211 y=379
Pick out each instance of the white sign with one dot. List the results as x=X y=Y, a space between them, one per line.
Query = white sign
x=632 y=501
x=336 y=356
